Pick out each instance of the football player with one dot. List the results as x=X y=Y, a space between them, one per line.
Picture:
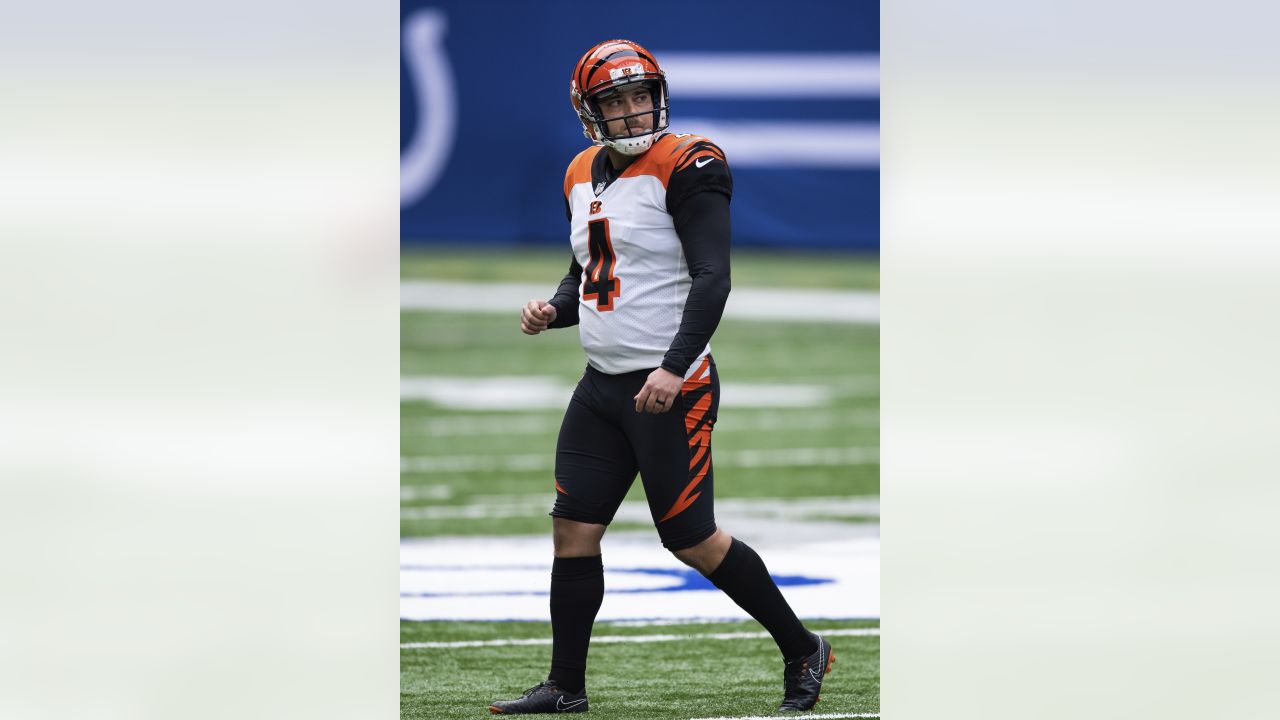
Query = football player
x=647 y=283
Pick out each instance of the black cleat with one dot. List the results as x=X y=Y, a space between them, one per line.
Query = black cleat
x=546 y=697
x=802 y=678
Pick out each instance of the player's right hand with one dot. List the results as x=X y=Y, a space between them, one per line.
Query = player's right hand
x=536 y=316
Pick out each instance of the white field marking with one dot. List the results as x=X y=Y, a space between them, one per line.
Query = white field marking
x=483 y=425
x=773 y=75
x=807 y=716
x=856 y=632
x=485 y=507
x=548 y=392
x=792 y=305
x=773 y=395
x=786 y=304
x=796 y=508
x=789 y=143
x=409 y=493
x=477 y=463
x=531 y=392
x=846 y=385
x=545 y=423
x=808 y=420
x=681 y=622
x=658 y=623
x=474 y=578
x=731 y=511
x=530 y=462
x=801 y=457
x=475 y=511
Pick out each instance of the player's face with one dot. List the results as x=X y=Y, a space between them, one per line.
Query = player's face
x=628 y=101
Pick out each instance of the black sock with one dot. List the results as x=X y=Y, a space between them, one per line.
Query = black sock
x=577 y=588
x=744 y=578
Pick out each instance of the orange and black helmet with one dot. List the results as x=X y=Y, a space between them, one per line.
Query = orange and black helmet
x=606 y=68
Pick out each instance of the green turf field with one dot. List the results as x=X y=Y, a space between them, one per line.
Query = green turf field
x=751 y=268
x=469 y=472
x=692 y=677
x=843 y=359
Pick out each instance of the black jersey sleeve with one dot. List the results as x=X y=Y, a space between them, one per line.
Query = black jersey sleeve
x=566 y=298
x=702 y=222
x=699 y=166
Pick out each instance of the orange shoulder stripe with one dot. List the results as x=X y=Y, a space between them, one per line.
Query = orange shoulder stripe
x=580 y=169
x=671 y=154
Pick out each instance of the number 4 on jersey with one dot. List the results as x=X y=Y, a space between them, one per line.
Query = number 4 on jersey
x=599 y=283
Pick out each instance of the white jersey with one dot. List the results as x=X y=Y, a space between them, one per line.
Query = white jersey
x=635 y=279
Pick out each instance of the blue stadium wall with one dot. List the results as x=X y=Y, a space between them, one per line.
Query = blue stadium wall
x=790 y=91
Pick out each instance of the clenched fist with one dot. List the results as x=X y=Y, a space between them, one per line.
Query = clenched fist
x=536 y=316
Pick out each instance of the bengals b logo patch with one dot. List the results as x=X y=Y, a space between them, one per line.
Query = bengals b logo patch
x=595 y=207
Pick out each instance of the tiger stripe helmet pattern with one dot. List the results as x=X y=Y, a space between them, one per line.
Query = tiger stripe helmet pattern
x=606 y=67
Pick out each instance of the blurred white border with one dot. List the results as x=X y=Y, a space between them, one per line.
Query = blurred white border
x=199 y=381
x=1079 y=261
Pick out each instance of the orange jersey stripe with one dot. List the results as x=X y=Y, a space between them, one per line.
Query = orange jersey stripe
x=579 y=169
x=668 y=155
x=660 y=161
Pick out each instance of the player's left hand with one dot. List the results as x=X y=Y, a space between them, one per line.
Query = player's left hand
x=659 y=392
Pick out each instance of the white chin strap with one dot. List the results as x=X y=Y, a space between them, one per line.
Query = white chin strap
x=631 y=146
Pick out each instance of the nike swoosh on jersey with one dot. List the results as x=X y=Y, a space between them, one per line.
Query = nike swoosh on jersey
x=703 y=161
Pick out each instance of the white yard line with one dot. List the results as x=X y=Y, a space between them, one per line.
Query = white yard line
x=782 y=304
x=475 y=511
x=807 y=716
x=483 y=507
x=660 y=623
x=800 y=456
x=842 y=632
x=542 y=392
x=410 y=493
x=549 y=423
x=529 y=462
x=477 y=463
x=495 y=578
x=465 y=425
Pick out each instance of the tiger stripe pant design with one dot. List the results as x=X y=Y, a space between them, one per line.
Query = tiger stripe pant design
x=604 y=443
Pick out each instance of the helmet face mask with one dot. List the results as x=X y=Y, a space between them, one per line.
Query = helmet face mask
x=627 y=140
x=615 y=66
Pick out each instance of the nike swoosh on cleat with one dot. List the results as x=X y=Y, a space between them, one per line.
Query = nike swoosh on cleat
x=817 y=676
x=703 y=161
x=562 y=705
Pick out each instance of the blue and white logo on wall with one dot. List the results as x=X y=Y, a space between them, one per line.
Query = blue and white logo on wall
x=792 y=97
x=797 y=79
x=422 y=162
